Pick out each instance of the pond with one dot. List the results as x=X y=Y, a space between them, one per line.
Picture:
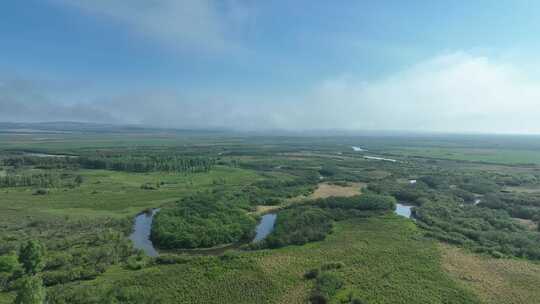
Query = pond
x=141 y=233
x=403 y=210
x=265 y=227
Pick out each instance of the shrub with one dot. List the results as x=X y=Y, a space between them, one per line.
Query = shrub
x=332 y=266
x=149 y=186
x=326 y=286
x=366 y=202
x=31 y=256
x=137 y=262
x=311 y=274
x=318 y=298
x=40 y=192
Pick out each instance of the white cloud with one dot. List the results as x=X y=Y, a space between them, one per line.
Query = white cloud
x=185 y=24
x=456 y=92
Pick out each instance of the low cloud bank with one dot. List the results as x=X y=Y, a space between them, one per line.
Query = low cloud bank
x=26 y=101
x=455 y=92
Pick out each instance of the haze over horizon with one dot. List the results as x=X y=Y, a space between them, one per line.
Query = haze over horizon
x=430 y=66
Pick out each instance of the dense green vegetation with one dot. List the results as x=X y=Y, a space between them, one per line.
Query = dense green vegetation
x=148 y=163
x=326 y=287
x=481 y=229
x=297 y=226
x=275 y=190
x=71 y=244
x=42 y=180
x=202 y=221
x=79 y=257
x=17 y=161
x=31 y=291
x=313 y=220
x=366 y=202
x=382 y=260
x=127 y=161
x=516 y=205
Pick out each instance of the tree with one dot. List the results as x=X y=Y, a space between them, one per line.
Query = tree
x=31 y=291
x=311 y=274
x=31 y=256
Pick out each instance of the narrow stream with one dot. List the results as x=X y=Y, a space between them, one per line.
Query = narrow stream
x=141 y=233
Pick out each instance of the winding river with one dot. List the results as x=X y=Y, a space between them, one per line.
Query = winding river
x=143 y=225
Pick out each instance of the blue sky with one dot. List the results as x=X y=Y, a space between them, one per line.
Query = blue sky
x=409 y=65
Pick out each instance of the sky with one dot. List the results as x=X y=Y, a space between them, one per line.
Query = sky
x=428 y=66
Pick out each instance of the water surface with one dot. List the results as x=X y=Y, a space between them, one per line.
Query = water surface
x=403 y=210
x=380 y=158
x=265 y=227
x=141 y=233
x=39 y=154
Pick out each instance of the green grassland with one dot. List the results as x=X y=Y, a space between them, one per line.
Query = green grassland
x=386 y=261
x=486 y=155
x=119 y=194
x=383 y=258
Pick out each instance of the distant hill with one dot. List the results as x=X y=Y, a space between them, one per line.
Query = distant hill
x=83 y=127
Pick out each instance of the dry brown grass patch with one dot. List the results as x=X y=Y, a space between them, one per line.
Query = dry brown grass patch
x=531 y=225
x=261 y=209
x=325 y=190
x=504 y=281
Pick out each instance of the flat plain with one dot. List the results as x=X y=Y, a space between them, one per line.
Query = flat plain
x=82 y=209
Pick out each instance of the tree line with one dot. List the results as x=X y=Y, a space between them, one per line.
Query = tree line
x=175 y=164
x=128 y=163
x=43 y=180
